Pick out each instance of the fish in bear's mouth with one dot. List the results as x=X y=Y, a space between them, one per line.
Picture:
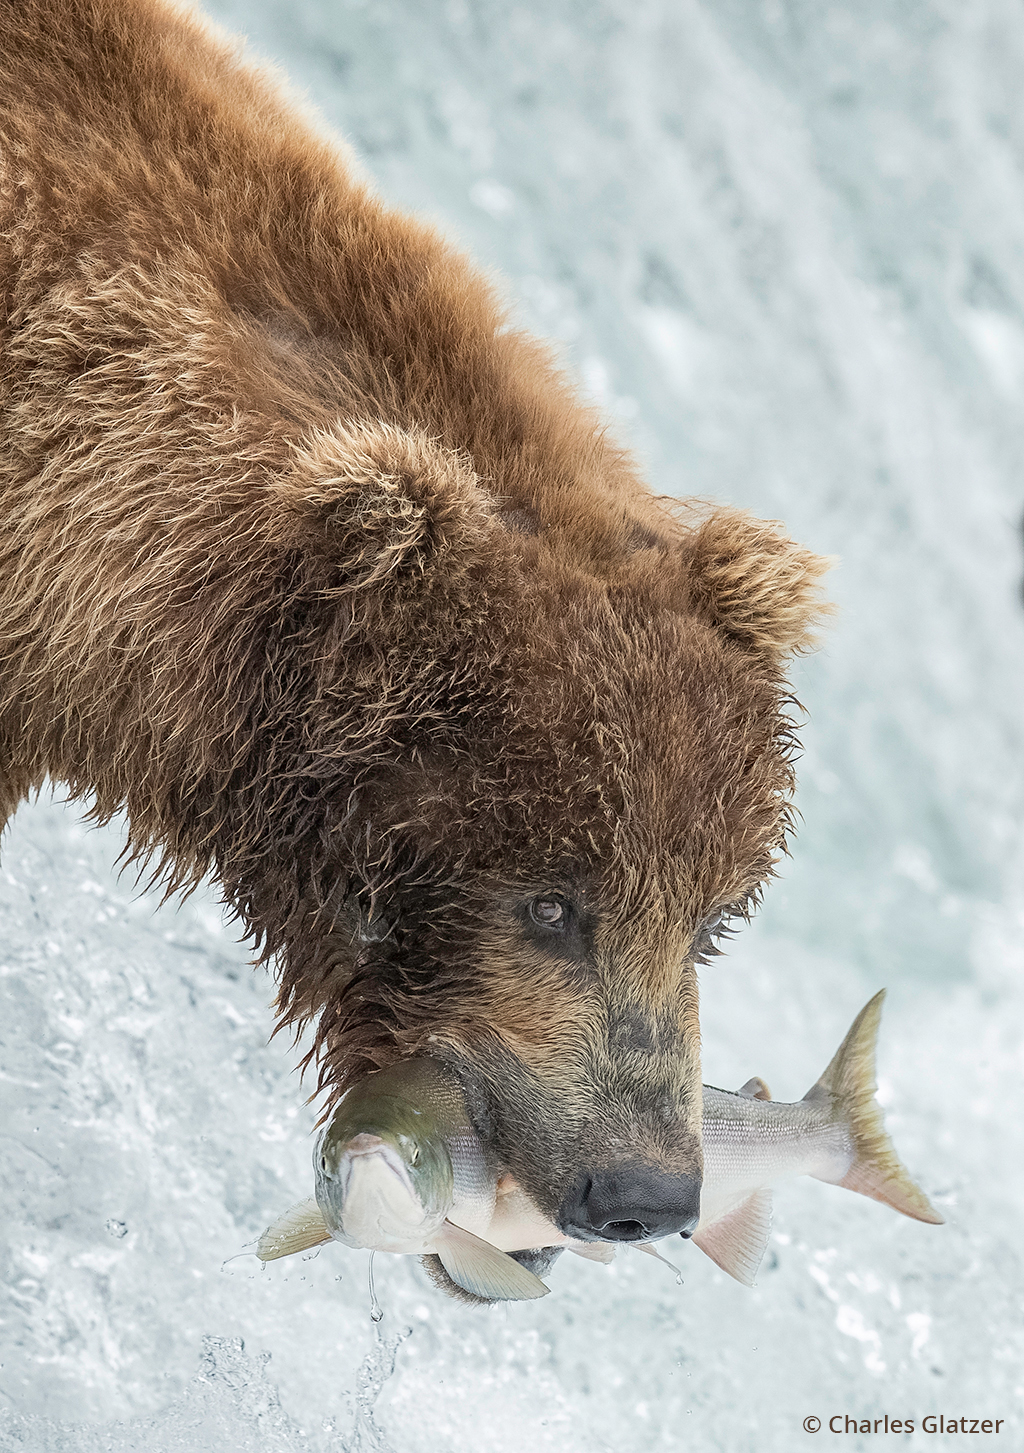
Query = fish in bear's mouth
x=400 y=1168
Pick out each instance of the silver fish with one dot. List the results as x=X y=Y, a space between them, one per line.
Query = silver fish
x=399 y=1168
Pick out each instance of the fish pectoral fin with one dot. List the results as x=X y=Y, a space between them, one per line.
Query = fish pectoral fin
x=299 y=1229
x=737 y=1242
x=602 y=1251
x=482 y=1269
x=755 y=1089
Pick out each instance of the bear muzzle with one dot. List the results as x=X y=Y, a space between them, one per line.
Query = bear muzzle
x=631 y=1202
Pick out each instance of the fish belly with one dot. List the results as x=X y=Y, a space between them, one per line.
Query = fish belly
x=518 y=1225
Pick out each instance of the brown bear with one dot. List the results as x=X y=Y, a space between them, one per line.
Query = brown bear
x=323 y=575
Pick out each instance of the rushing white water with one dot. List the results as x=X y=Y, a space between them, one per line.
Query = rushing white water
x=782 y=244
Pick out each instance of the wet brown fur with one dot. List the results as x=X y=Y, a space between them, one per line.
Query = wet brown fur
x=325 y=576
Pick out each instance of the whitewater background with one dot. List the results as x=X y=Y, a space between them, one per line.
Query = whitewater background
x=781 y=243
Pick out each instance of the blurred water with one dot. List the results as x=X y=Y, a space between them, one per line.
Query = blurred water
x=782 y=244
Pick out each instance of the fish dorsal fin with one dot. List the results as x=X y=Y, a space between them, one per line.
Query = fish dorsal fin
x=480 y=1268
x=601 y=1251
x=755 y=1089
x=737 y=1242
x=299 y=1229
x=877 y=1170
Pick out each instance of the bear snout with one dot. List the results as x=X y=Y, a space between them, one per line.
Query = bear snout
x=631 y=1202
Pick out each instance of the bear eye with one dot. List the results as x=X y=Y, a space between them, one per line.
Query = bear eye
x=549 y=912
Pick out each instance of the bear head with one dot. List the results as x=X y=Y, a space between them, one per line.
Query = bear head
x=546 y=760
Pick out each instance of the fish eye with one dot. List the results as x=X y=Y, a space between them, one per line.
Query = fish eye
x=323 y=1162
x=414 y=1155
x=550 y=912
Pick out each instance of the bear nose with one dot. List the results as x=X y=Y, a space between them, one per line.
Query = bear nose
x=631 y=1203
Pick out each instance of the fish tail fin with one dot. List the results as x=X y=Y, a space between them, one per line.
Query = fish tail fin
x=849 y=1080
x=299 y=1229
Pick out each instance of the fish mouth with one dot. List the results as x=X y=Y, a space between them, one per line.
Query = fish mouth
x=366 y=1146
x=366 y=1143
x=370 y=1201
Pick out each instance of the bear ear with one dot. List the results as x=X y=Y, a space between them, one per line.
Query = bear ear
x=756 y=584
x=377 y=502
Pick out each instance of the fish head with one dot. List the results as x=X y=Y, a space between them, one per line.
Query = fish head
x=383 y=1173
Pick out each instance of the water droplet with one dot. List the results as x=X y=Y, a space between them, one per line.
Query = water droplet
x=376 y=1311
x=116 y=1228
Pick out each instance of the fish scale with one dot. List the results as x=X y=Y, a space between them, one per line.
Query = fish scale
x=751 y=1143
